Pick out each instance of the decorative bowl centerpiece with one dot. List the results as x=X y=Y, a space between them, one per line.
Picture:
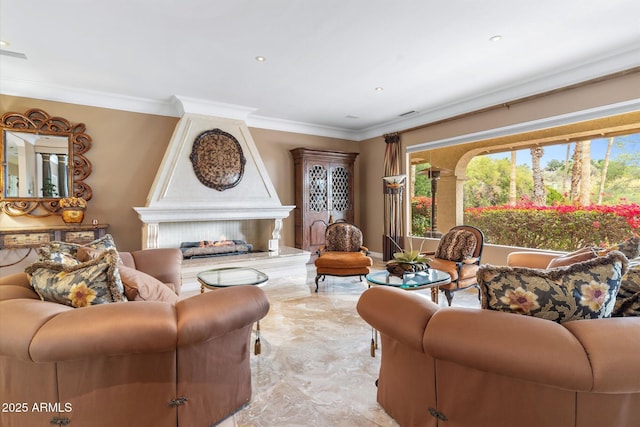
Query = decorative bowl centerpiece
x=410 y=261
x=73 y=209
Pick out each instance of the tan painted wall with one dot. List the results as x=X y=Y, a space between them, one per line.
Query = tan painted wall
x=125 y=154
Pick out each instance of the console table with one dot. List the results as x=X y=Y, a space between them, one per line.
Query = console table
x=34 y=237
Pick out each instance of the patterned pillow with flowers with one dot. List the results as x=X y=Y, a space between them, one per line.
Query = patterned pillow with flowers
x=584 y=290
x=88 y=283
x=65 y=252
x=630 y=248
x=628 y=299
x=64 y=258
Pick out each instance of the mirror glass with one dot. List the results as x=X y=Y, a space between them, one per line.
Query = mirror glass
x=43 y=160
x=37 y=165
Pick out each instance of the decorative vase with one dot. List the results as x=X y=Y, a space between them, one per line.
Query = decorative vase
x=72 y=215
x=399 y=268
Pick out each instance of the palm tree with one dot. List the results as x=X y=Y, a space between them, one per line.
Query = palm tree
x=585 y=179
x=605 y=166
x=576 y=172
x=565 y=177
x=512 y=180
x=539 y=197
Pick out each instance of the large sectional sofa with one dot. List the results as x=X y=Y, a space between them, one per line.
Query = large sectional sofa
x=469 y=367
x=144 y=362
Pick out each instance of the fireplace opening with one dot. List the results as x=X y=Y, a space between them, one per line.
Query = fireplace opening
x=215 y=248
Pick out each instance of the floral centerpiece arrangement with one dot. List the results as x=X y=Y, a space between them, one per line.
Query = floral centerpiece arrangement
x=410 y=261
x=73 y=209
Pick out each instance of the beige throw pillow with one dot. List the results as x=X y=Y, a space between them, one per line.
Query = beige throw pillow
x=139 y=286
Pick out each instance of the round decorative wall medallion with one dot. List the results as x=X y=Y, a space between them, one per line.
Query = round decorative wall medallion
x=217 y=159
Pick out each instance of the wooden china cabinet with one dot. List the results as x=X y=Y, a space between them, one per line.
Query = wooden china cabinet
x=324 y=193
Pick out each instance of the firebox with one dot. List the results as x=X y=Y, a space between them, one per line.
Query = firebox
x=208 y=248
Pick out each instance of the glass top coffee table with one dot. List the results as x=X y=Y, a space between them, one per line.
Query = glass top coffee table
x=227 y=277
x=429 y=278
x=426 y=279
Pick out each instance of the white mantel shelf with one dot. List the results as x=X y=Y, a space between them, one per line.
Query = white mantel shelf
x=198 y=214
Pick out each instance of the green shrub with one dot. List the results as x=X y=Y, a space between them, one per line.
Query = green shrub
x=562 y=227
x=420 y=215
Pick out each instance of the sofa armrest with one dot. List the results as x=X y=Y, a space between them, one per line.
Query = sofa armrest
x=213 y=314
x=162 y=263
x=513 y=345
x=20 y=320
x=402 y=315
x=613 y=346
x=16 y=285
x=531 y=259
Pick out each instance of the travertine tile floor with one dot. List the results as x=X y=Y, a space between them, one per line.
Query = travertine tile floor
x=316 y=368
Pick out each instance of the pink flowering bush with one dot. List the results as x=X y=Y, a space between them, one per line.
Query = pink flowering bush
x=420 y=215
x=559 y=227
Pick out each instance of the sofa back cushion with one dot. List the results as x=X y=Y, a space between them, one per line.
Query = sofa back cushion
x=584 y=290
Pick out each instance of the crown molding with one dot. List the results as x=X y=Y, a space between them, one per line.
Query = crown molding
x=303 y=128
x=74 y=95
x=617 y=61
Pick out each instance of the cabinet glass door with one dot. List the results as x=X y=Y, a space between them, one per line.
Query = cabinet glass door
x=340 y=200
x=318 y=191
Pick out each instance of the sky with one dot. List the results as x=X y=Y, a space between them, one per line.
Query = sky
x=559 y=152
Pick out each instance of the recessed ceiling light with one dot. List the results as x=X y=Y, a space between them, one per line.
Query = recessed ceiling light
x=260 y=58
x=4 y=43
x=495 y=38
x=379 y=89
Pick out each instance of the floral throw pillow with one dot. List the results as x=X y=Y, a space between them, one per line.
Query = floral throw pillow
x=628 y=299
x=88 y=283
x=584 y=290
x=56 y=251
x=630 y=248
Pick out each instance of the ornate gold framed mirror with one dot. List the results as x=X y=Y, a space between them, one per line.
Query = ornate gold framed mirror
x=43 y=160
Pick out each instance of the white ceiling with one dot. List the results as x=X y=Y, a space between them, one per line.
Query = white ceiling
x=324 y=58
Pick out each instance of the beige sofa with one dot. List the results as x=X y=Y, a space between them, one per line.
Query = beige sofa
x=135 y=363
x=463 y=367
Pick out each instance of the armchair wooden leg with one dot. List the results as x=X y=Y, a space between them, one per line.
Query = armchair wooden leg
x=449 y=295
x=317 y=279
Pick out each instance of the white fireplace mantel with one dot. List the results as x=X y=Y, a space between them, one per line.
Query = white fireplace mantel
x=190 y=214
x=180 y=208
